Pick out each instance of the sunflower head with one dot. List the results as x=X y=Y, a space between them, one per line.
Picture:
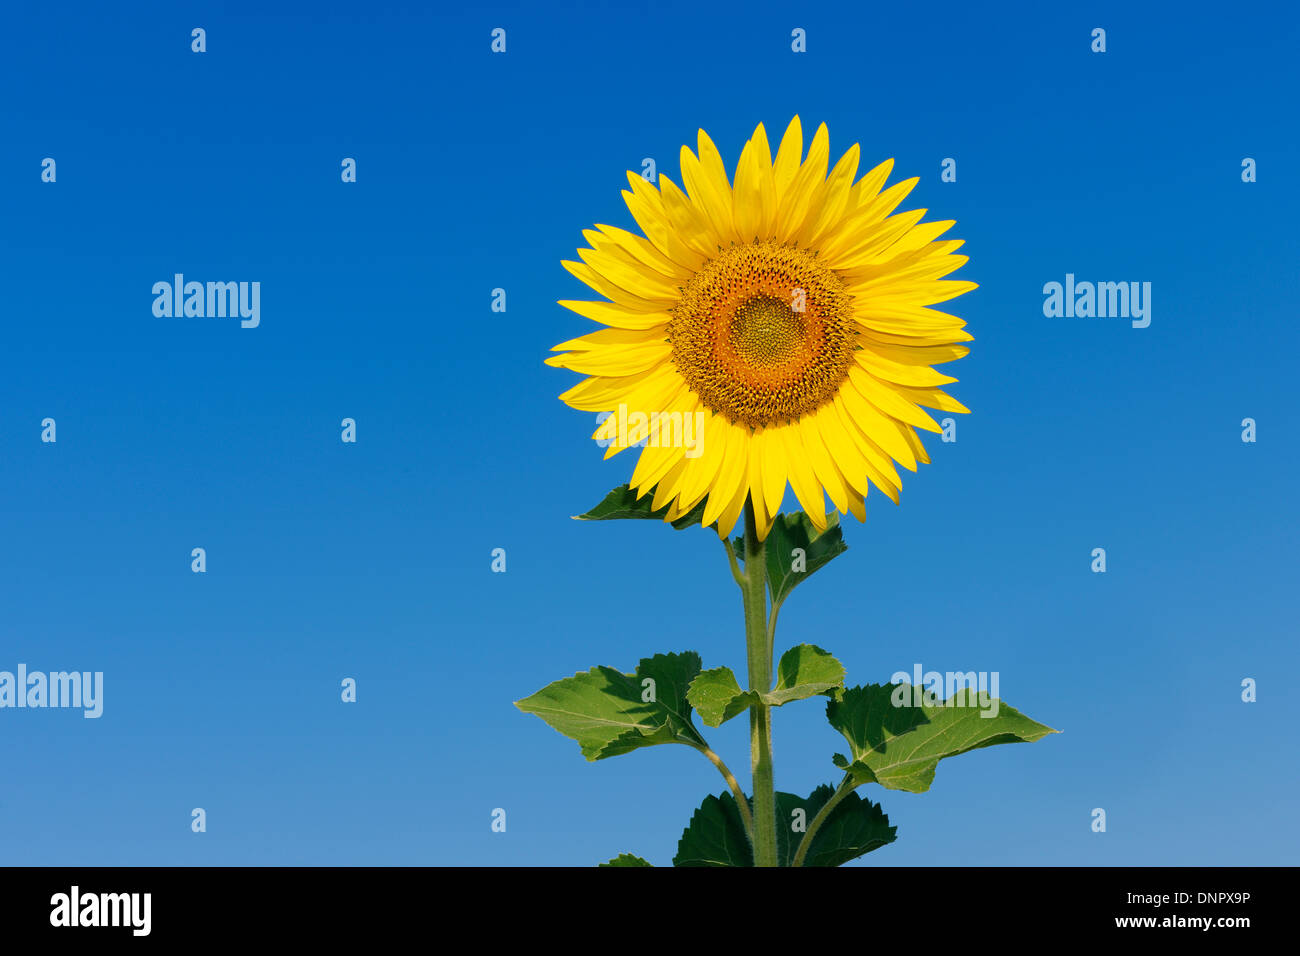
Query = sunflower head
x=788 y=310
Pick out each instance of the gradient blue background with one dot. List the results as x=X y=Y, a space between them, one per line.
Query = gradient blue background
x=371 y=560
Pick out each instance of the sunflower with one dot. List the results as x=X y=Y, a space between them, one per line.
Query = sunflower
x=787 y=312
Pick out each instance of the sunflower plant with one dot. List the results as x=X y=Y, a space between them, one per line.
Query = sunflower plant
x=788 y=310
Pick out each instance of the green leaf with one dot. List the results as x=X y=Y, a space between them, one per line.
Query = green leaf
x=604 y=710
x=622 y=502
x=804 y=670
x=715 y=836
x=898 y=744
x=718 y=697
x=626 y=859
x=855 y=827
x=796 y=531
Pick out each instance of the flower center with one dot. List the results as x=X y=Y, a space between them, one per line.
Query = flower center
x=764 y=333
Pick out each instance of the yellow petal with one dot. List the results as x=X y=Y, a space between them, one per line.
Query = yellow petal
x=755 y=480
x=755 y=193
x=602 y=244
x=675 y=510
x=653 y=464
x=731 y=472
x=913 y=374
x=788 y=156
x=603 y=337
x=876 y=426
x=657 y=426
x=842 y=449
x=896 y=259
x=612 y=290
x=876 y=209
x=915 y=354
x=904 y=318
x=888 y=400
x=639 y=248
x=796 y=202
x=666 y=490
x=914 y=441
x=877 y=465
x=914 y=338
x=703 y=469
x=618 y=315
x=711 y=199
x=774 y=469
x=614 y=360
x=924 y=239
x=925 y=293
x=691 y=225
x=731 y=512
x=802 y=480
x=933 y=398
x=867 y=188
x=711 y=162
x=602 y=393
x=620 y=268
x=853 y=248
x=646 y=206
x=822 y=464
x=831 y=202
x=655 y=390
x=905 y=271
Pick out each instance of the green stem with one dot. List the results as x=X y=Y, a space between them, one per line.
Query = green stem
x=735 y=568
x=771 y=632
x=758 y=646
x=745 y=816
x=842 y=791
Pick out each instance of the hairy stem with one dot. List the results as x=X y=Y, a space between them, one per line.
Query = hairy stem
x=735 y=568
x=842 y=791
x=746 y=817
x=758 y=646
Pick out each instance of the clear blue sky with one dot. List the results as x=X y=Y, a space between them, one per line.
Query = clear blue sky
x=372 y=560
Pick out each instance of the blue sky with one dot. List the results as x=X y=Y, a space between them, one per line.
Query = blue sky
x=372 y=560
